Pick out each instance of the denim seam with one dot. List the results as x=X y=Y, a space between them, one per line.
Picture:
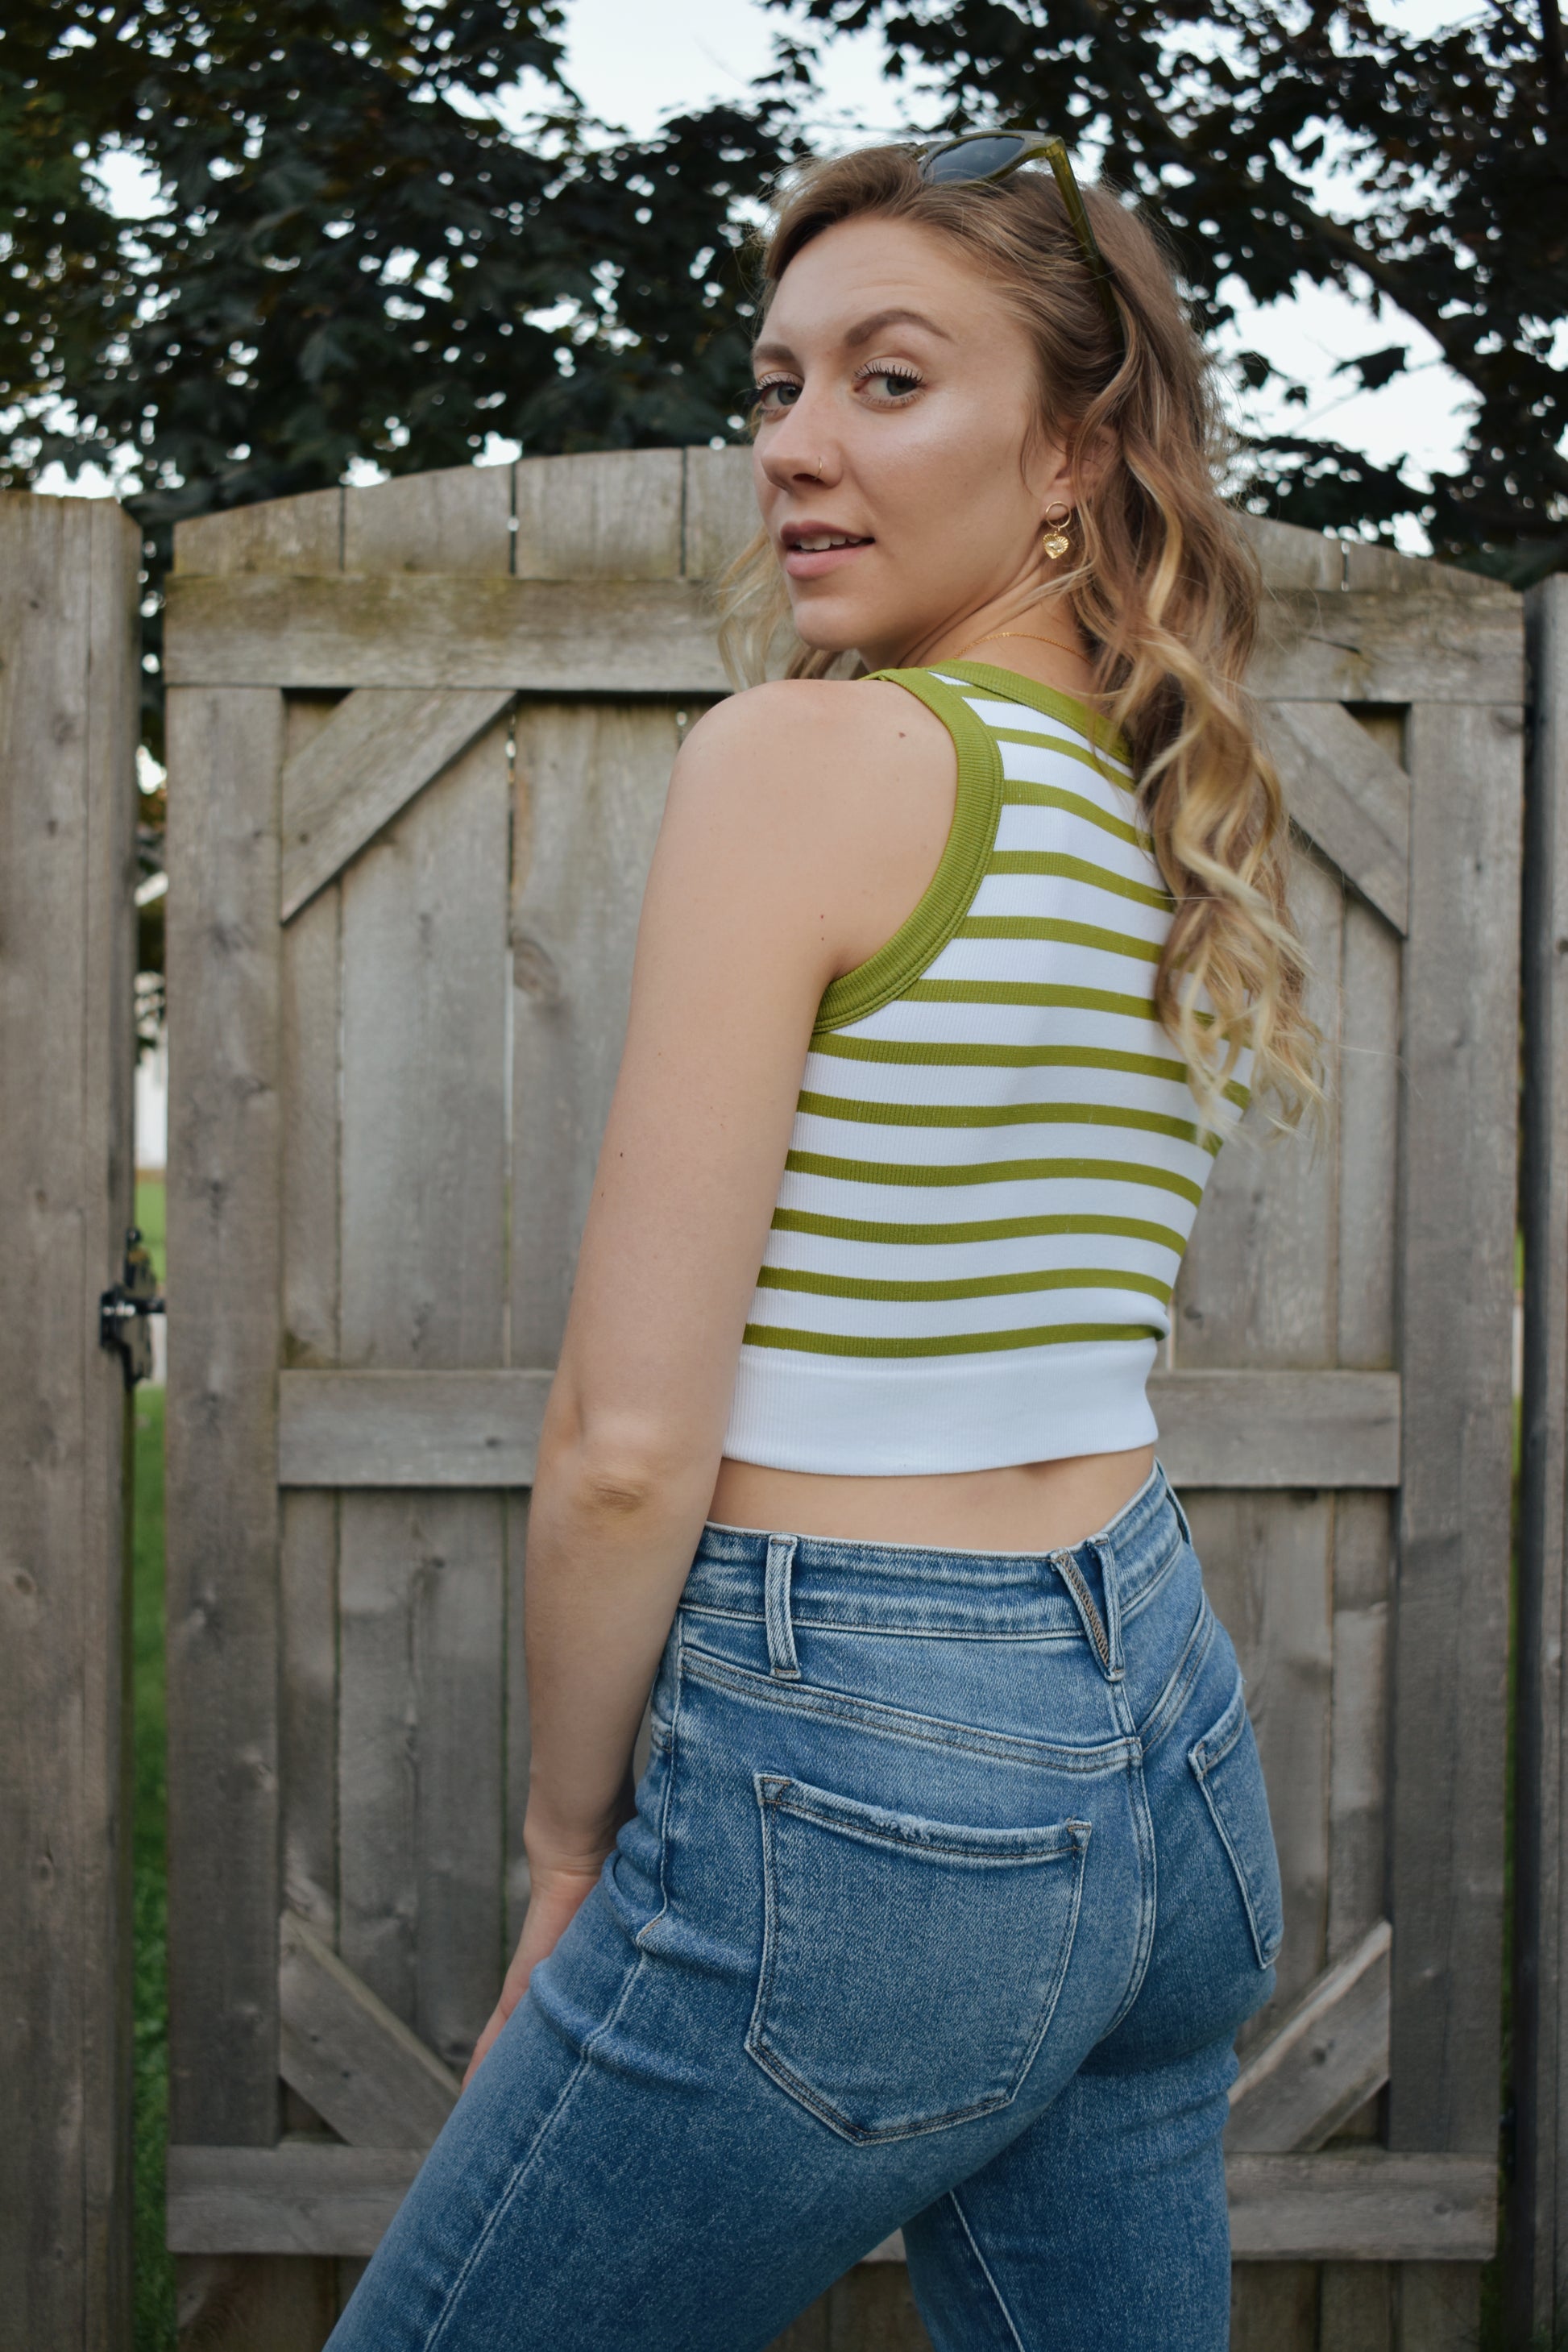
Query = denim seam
x=1054 y=1633
x=985 y=2269
x=504 y=2201
x=649 y=1924
x=1148 y=1870
x=924 y=1730
x=783 y=2074
x=1165 y=1712
x=1069 y=1836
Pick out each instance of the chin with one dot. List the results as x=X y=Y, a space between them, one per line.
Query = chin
x=831 y=632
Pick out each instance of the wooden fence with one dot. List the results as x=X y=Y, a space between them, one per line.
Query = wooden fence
x=69 y=690
x=419 y=737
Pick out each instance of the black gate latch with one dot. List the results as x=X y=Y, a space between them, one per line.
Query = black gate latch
x=123 y=1308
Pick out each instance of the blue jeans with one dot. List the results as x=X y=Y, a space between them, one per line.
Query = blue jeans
x=950 y=1882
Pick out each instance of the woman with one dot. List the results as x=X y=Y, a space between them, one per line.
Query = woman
x=949 y=1878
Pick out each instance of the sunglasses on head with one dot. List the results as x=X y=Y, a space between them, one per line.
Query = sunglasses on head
x=984 y=155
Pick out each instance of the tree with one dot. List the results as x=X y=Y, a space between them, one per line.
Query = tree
x=1217 y=115
x=351 y=258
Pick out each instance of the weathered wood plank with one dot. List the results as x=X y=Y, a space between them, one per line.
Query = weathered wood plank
x=224 y=756
x=1423 y=644
x=1439 y=2308
x=1368 y=1119
x=307 y=2196
x=301 y=2197
x=383 y=744
x=1273 y=2307
x=514 y=1530
x=410 y=1429
x=591 y=786
x=655 y=636
x=1278 y=1429
x=307 y=1704
x=359 y=2067
x=1538 y=2214
x=1322 y=2061
x=1460 y=1062
x=457 y=520
x=608 y=514
x=1357 y=2307
x=1267 y=1564
x=721 y=509
x=288 y=535
x=1348 y=797
x=1358 y=1768
x=68 y=710
x=431 y=629
x=1258 y=1287
x=480 y=1428
x=424 y=1162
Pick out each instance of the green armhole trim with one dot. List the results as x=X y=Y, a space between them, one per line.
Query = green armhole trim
x=947 y=897
x=1013 y=686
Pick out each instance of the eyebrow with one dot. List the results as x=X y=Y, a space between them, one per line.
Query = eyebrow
x=862 y=333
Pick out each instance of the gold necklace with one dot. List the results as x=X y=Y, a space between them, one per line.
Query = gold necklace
x=992 y=636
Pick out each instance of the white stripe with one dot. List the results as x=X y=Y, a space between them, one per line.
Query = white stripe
x=963 y=1261
x=948 y=1205
x=876 y=1318
x=981 y=1084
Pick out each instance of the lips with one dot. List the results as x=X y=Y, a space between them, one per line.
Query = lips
x=813 y=547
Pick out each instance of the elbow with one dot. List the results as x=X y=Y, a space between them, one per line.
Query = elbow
x=627 y=1473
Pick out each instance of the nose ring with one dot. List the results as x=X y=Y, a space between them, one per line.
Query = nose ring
x=819 y=469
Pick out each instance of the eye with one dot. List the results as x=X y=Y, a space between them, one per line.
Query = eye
x=775 y=393
x=895 y=385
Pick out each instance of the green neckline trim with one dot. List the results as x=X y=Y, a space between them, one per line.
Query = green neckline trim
x=1013 y=687
x=948 y=896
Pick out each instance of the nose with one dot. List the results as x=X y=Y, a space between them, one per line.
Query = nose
x=799 y=457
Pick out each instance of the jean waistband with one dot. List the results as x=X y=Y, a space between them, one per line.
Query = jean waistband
x=915 y=1587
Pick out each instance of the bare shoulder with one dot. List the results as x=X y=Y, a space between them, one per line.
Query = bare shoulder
x=845 y=751
x=829 y=795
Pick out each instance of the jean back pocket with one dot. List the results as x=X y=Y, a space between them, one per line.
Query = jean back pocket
x=909 y=1968
x=1229 y=1772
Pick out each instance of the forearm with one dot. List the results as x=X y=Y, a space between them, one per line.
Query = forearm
x=608 y=1547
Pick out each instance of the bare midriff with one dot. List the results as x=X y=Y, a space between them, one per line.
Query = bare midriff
x=1027 y=1506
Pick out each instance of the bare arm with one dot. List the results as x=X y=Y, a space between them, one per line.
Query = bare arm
x=776 y=868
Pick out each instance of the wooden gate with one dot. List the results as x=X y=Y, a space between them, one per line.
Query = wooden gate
x=419 y=739
x=70 y=639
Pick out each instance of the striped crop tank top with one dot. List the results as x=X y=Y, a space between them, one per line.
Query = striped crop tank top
x=997 y=1156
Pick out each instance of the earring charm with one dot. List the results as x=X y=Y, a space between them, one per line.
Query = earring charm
x=1054 y=538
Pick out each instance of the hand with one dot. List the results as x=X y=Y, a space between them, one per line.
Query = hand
x=554 y=1897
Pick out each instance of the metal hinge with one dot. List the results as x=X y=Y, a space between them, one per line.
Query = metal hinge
x=123 y=1308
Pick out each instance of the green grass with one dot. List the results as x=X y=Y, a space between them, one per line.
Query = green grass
x=153 y=2320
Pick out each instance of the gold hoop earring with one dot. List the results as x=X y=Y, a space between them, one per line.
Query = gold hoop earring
x=1054 y=539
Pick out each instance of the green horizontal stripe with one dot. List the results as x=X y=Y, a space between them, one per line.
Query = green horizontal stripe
x=1057 y=863
x=983 y=1229
x=1045 y=927
x=1022 y=792
x=1010 y=685
x=975 y=1286
x=937 y=1054
x=991 y=1172
x=1032 y=991
x=928 y=1115
x=960 y=1343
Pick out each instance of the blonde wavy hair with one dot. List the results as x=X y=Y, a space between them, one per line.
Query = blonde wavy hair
x=1164 y=586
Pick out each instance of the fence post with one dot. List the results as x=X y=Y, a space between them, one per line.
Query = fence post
x=1538 y=2200
x=68 y=698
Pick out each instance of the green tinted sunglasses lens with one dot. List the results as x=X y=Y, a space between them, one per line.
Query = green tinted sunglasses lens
x=974 y=158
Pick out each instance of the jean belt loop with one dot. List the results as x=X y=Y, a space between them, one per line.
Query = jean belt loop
x=782 y=1663
x=1111 y=1587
